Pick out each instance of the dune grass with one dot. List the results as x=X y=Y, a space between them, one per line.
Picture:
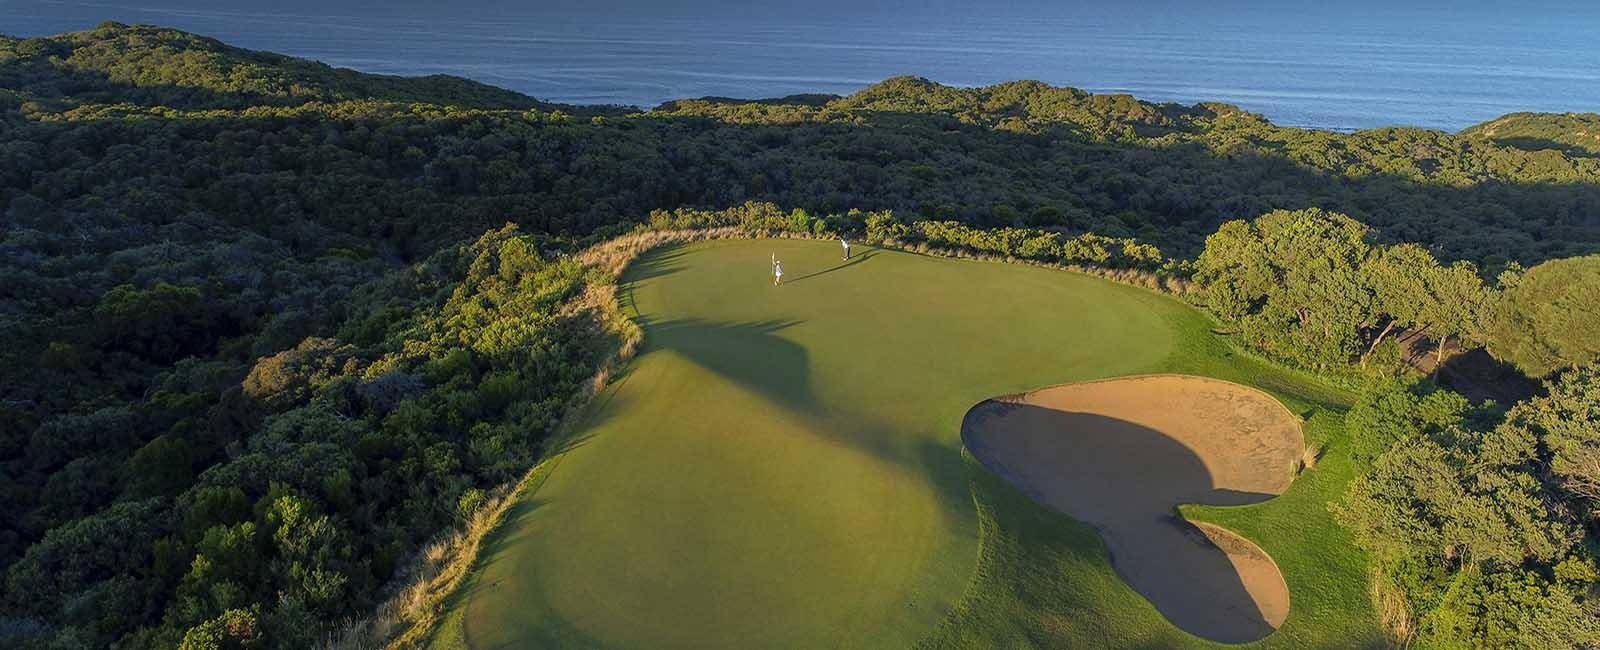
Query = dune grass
x=782 y=467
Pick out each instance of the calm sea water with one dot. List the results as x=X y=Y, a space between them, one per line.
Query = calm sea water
x=1327 y=64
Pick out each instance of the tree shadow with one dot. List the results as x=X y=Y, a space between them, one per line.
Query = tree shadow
x=1478 y=376
x=498 y=546
x=662 y=261
x=599 y=409
x=509 y=532
x=1125 y=479
x=751 y=354
x=489 y=553
x=754 y=356
x=1529 y=143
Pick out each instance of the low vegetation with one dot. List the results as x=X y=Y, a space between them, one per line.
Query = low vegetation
x=1574 y=134
x=324 y=465
x=1480 y=520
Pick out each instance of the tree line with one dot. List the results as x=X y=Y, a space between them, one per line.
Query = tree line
x=1310 y=287
x=354 y=151
x=1481 y=518
x=259 y=502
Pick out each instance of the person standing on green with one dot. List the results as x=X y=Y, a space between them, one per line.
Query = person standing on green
x=777 y=272
x=846 y=244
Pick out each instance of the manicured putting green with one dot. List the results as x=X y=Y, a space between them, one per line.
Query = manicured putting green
x=782 y=466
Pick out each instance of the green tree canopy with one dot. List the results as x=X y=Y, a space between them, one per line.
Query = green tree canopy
x=1295 y=281
x=1549 y=319
x=1472 y=515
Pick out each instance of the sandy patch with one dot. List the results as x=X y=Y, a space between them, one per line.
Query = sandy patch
x=1119 y=454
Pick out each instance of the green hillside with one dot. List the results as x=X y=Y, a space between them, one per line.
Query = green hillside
x=157 y=66
x=1573 y=134
x=782 y=466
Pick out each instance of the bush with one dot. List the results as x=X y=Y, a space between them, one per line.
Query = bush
x=288 y=377
x=1549 y=319
x=1469 y=515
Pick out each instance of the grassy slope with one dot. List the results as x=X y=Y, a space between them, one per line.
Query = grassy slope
x=1575 y=134
x=782 y=465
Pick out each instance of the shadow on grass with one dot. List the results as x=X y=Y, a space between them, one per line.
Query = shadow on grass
x=842 y=265
x=755 y=356
x=506 y=535
x=751 y=354
x=663 y=261
x=601 y=407
x=497 y=545
x=949 y=476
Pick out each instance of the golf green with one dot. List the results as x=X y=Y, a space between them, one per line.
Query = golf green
x=781 y=466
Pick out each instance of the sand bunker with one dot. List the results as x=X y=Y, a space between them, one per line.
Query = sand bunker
x=1120 y=453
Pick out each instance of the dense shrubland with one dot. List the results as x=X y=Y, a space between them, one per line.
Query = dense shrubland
x=267 y=498
x=1480 y=517
x=151 y=66
x=266 y=334
x=1310 y=288
x=401 y=161
x=1481 y=521
x=1549 y=318
x=1574 y=134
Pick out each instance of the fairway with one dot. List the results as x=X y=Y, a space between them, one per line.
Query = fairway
x=783 y=466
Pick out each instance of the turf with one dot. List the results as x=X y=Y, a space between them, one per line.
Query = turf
x=782 y=467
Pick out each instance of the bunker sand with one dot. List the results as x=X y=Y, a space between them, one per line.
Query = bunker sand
x=1119 y=454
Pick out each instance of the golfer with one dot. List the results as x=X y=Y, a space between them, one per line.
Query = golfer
x=846 y=244
x=777 y=272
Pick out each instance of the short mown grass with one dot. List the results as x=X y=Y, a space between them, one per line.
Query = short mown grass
x=782 y=467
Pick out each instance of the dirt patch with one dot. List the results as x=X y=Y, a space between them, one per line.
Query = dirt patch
x=1119 y=454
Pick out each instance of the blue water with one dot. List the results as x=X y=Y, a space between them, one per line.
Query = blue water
x=1328 y=64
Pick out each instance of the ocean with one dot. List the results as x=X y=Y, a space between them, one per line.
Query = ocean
x=1329 y=65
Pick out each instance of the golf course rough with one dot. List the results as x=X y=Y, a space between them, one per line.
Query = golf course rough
x=782 y=466
x=1119 y=454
